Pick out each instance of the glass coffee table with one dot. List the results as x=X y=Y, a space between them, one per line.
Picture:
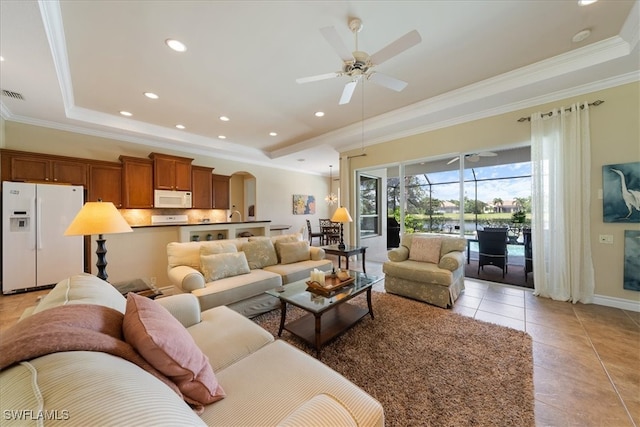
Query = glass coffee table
x=327 y=316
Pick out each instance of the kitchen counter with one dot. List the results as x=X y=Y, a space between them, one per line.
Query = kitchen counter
x=192 y=224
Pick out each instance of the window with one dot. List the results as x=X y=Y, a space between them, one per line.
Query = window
x=369 y=206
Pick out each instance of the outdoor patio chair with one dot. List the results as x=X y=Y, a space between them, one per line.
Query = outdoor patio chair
x=492 y=249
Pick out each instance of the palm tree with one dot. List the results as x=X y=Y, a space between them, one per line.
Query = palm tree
x=498 y=202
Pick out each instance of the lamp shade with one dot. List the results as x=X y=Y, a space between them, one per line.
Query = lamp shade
x=341 y=215
x=98 y=218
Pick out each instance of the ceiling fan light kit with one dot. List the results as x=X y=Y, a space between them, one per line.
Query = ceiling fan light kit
x=358 y=64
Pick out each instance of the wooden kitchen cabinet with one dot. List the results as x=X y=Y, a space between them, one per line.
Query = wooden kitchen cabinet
x=201 y=187
x=171 y=172
x=137 y=182
x=220 y=190
x=29 y=167
x=105 y=183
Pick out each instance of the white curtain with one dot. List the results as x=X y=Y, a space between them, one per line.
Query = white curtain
x=561 y=168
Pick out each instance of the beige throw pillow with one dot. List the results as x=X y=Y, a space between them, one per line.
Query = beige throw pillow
x=425 y=249
x=219 y=266
x=293 y=252
x=260 y=253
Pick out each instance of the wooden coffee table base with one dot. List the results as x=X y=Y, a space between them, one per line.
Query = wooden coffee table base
x=319 y=329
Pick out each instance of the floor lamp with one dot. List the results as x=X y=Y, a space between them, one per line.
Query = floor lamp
x=98 y=218
x=341 y=215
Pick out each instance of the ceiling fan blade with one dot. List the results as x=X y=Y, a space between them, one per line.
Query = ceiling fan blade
x=348 y=92
x=455 y=159
x=317 y=78
x=487 y=154
x=410 y=39
x=387 y=81
x=332 y=36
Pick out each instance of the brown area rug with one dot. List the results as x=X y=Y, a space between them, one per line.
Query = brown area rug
x=431 y=367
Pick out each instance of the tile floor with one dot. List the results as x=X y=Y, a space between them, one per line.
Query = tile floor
x=586 y=357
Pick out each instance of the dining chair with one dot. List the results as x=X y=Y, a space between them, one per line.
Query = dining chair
x=492 y=249
x=313 y=234
x=330 y=231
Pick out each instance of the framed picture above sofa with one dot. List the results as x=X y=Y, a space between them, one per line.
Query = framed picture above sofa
x=621 y=192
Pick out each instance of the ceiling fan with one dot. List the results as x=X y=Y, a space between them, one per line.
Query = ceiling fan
x=474 y=157
x=358 y=65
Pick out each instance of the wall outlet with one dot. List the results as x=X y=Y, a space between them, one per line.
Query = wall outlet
x=606 y=238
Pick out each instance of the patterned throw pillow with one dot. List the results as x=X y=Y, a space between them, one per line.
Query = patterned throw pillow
x=425 y=249
x=260 y=253
x=219 y=266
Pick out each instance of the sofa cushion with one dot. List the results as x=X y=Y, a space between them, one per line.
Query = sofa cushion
x=168 y=347
x=418 y=271
x=275 y=381
x=232 y=289
x=219 y=266
x=260 y=253
x=82 y=289
x=425 y=249
x=291 y=252
x=188 y=253
x=321 y=407
x=89 y=388
x=223 y=247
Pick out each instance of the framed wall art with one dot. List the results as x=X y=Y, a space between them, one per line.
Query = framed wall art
x=632 y=260
x=621 y=192
x=304 y=204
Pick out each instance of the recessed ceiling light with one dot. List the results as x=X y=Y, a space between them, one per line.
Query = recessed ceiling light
x=175 y=45
x=224 y=118
x=581 y=35
x=151 y=95
x=586 y=2
x=1 y=58
x=180 y=126
x=273 y=133
x=126 y=113
x=222 y=137
x=301 y=160
x=319 y=114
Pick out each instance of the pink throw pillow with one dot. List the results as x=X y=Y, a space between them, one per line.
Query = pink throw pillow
x=425 y=249
x=162 y=340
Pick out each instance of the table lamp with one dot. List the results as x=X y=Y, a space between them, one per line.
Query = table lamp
x=341 y=215
x=98 y=218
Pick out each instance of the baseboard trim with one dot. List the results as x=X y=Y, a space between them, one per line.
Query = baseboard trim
x=623 y=304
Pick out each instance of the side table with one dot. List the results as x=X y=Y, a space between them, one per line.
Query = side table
x=143 y=287
x=346 y=252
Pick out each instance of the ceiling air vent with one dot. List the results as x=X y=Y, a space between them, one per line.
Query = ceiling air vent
x=14 y=95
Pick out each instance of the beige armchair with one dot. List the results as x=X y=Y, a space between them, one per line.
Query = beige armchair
x=427 y=267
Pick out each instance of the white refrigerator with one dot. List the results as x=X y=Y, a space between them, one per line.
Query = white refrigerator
x=35 y=251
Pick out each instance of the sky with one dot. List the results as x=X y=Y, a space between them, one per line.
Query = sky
x=505 y=189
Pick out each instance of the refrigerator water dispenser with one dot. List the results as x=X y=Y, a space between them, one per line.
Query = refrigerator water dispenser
x=19 y=221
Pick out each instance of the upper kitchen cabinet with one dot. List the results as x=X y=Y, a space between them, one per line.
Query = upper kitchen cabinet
x=27 y=167
x=220 y=191
x=171 y=172
x=105 y=183
x=201 y=187
x=137 y=182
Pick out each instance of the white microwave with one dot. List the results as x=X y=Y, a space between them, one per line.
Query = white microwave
x=172 y=199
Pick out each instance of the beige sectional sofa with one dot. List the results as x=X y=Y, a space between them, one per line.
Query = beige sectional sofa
x=237 y=272
x=264 y=382
x=427 y=267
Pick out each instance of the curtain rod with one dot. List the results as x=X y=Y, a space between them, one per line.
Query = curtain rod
x=594 y=103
